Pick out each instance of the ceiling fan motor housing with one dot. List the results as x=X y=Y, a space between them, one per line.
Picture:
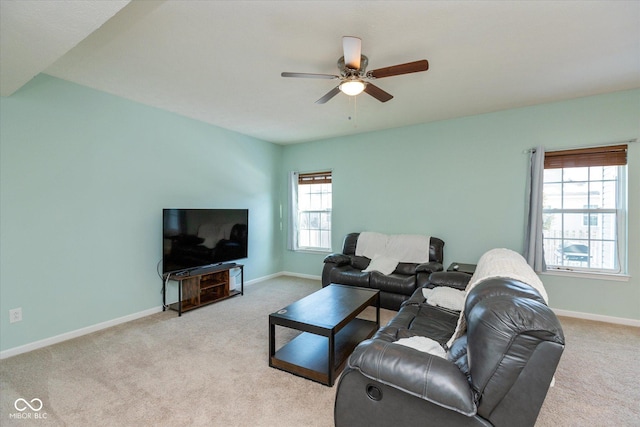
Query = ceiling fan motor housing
x=348 y=72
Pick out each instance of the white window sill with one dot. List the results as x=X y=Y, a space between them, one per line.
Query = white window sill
x=313 y=251
x=588 y=275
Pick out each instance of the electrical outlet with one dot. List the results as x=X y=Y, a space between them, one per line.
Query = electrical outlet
x=15 y=315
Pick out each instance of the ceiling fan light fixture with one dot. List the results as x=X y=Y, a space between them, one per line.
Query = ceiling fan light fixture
x=352 y=87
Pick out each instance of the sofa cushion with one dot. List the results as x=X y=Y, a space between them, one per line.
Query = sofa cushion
x=350 y=276
x=395 y=283
x=424 y=320
x=434 y=322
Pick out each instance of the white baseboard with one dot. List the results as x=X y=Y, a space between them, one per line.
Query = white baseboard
x=77 y=333
x=263 y=278
x=302 y=276
x=283 y=273
x=597 y=317
x=109 y=323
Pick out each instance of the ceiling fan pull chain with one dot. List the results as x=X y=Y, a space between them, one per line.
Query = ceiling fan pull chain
x=355 y=111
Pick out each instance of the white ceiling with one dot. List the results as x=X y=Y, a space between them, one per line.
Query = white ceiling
x=220 y=61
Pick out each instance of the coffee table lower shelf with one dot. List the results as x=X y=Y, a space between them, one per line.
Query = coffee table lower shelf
x=307 y=355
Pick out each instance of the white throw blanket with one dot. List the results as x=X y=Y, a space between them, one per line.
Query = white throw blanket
x=370 y=244
x=499 y=263
x=411 y=248
x=424 y=344
x=505 y=263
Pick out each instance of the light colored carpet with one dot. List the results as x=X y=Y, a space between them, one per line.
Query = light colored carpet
x=210 y=368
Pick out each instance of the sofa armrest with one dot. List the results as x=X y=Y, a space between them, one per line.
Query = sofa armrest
x=429 y=267
x=420 y=374
x=452 y=279
x=406 y=268
x=338 y=259
x=416 y=298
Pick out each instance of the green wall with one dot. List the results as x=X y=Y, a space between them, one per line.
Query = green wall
x=84 y=178
x=464 y=181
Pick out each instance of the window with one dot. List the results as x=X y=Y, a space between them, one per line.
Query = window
x=584 y=209
x=314 y=211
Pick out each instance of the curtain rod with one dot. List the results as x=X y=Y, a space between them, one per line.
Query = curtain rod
x=607 y=144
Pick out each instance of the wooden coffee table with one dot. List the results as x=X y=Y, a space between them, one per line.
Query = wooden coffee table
x=331 y=330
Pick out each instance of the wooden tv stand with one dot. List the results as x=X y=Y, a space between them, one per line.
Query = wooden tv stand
x=202 y=287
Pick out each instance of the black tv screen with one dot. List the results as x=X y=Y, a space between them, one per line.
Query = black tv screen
x=194 y=238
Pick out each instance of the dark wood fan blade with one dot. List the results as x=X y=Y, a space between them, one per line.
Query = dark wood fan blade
x=310 y=75
x=377 y=93
x=396 y=70
x=333 y=92
x=352 y=47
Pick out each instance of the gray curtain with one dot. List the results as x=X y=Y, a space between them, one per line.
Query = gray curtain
x=292 y=229
x=533 y=239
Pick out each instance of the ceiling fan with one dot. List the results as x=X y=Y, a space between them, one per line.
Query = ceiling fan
x=353 y=75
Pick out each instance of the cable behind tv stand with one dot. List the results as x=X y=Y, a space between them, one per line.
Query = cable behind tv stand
x=202 y=286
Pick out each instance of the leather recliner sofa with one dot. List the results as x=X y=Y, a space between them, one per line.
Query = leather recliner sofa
x=346 y=268
x=496 y=374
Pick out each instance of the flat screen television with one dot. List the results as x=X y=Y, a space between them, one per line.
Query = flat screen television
x=195 y=238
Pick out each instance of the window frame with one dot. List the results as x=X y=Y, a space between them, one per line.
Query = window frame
x=309 y=179
x=589 y=157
